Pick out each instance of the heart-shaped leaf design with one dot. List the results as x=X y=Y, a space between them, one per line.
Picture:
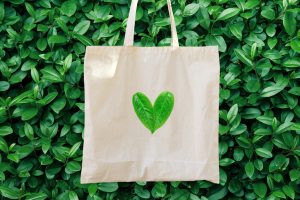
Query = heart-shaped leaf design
x=144 y=110
x=153 y=117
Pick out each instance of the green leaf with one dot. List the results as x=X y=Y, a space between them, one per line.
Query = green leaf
x=102 y=12
x=159 y=190
x=92 y=189
x=279 y=194
x=251 y=4
x=278 y=163
x=57 y=39
x=35 y=75
x=232 y=113
x=226 y=162
x=271 y=30
x=249 y=169
x=294 y=174
x=228 y=13
x=2 y=11
x=292 y=63
x=262 y=131
x=4 y=86
x=30 y=9
x=84 y=40
x=141 y=183
x=190 y=9
x=20 y=97
x=13 y=157
x=10 y=192
x=67 y=62
x=237 y=30
x=263 y=153
x=28 y=130
x=47 y=99
x=28 y=112
x=116 y=1
x=295 y=44
x=289 y=22
x=41 y=44
x=29 y=64
x=73 y=195
x=74 y=149
x=5 y=130
x=203 y=17
x=272 y=42
x=62 y=25
x=218 y=193
x=234 y=186
x=289 y=191
x=212 y=40
x=144 y=110
x=153 y=117
x=58 y=104
x=36 y=196
x=253 y=85
x=50 y=74
x=268 y=12
x=17 y=77
x=108 y=187
x=181 y=194
x=141 y=192
x=275 y=89
x=163 y=107
x=284 y=127
x=82 y=27
x=242 y=57
x=162 y=22
x=3 y=145
x=68 y=8
x=260 y=189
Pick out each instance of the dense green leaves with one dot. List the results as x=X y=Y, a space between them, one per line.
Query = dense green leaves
x=42 y=47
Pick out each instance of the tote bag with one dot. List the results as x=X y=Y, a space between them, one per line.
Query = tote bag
x=151 y=113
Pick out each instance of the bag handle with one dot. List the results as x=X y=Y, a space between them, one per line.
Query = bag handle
x=129 y=34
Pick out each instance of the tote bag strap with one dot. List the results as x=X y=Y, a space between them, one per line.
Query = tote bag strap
x=128 y=41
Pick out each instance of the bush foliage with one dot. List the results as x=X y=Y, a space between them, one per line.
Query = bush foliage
x=42 y=98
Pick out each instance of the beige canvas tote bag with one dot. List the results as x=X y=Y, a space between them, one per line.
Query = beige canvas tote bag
x=151 y=113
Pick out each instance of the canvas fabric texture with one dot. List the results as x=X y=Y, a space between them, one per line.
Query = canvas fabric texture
x=118 y=147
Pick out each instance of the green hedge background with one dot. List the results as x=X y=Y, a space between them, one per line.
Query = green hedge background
x=42 y=98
